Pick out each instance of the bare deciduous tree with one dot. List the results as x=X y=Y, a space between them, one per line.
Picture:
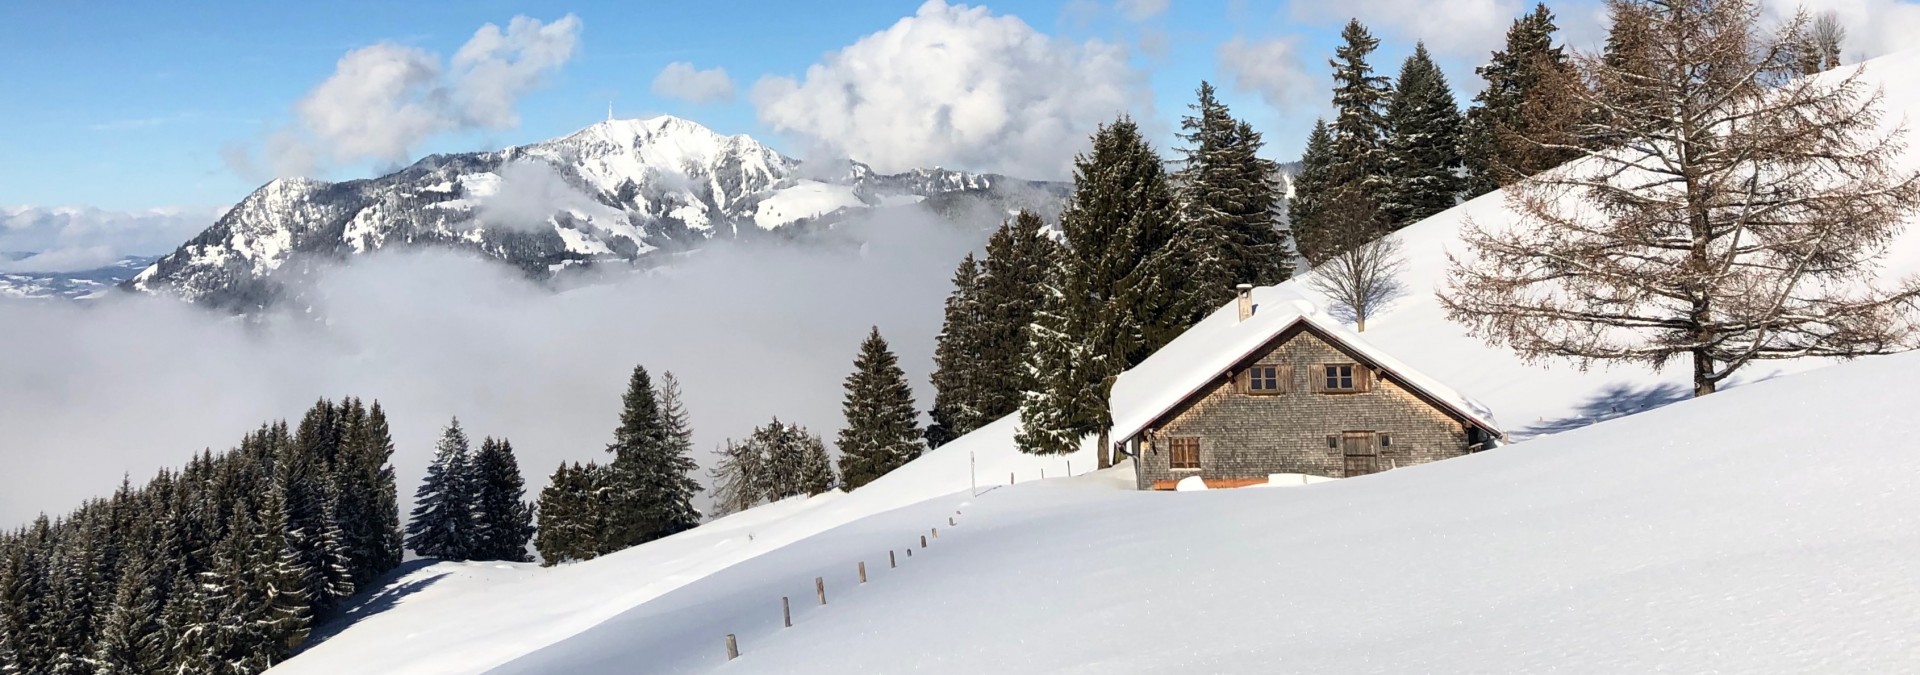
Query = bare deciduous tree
x=1818 y=46
x=1733 y=212
x=1364 y=274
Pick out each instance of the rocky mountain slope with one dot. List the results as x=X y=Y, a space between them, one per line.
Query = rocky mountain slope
x=621 y=191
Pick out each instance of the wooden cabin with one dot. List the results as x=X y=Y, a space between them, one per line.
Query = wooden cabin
x=1291 y=392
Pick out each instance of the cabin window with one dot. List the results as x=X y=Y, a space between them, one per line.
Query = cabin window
x=1386 y=440
x=1183 y=452
x=1338 y=378
x=1268 y=379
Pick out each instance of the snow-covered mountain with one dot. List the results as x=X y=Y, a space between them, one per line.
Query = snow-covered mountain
x=620 y=190
x=68 y=285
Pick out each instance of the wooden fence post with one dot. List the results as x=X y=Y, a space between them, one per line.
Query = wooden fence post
x=820 y=588
x=936 y=533
x=950 y=522
x=909 y=551
x=890 y=561
x=1009 y=477
x=863 y=571
x=786 y=612
x=923 y=544
x=733 y=648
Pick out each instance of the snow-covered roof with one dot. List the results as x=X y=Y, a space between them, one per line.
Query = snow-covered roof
x=1212 y=346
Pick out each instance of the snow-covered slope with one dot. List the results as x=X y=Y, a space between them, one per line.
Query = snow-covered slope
x=466 y=618
x=615 y=191
x=68 y=285
x=1637 y=545
x=1736 y=534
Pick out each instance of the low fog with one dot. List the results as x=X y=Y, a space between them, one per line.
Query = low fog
x=127 y=385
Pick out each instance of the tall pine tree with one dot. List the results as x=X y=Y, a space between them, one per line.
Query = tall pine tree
x=635 y=440
x=958 y=359
x=669 y=485
x=1229 y=225
x=1524 y=104
x=1423 y=143
x=882 y=431
x=502 y=520
x=441 y=525
x=1014 y=279
x=1121 y=291
x=1307 y=207
x=1358 y=153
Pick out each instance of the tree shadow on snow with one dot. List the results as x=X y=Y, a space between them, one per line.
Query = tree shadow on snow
x=385 y=593
x=1616 y=400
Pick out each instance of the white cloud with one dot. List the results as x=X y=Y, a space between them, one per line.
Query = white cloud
x=1273 y=68
x=683 y=81
x=960 y=87
x=529 y=193
x=68 y=238
x=385 y=99
x=1464 y=28
x=129 y=385
x=1141 y=10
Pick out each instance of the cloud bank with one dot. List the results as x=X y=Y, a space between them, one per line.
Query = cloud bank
x=681 y=80
x=68 y=239
x=959 y=87
x=1272 y=68
x=384 y=100
x=754 y=330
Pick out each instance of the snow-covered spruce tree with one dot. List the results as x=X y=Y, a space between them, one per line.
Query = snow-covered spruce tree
x=669 y=485
x=1066 y=401
x=441 y=525
x=1121 y=290
x=367 y=505
x=1423 y=144
x=882 y=431
x=502 y=519
x=1309 y=199
x=1358 y=153
x=566 y=532
x=958 y=363
x=303 y=474
x=1525 y=114
x=635 y=440
x=1229 y=226
x=816 y=468
x=1014 y=281
x=738 y=477
x=1738 y=213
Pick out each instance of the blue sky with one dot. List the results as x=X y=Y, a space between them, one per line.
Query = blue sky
x=141 y=105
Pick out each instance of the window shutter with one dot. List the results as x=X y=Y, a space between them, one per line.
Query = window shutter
x=1286 y=379
x=1362 y=378
x=1317 y=378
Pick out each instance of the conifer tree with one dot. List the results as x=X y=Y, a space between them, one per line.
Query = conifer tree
x=1358 y=152
x=1063 y=407
x=1229 y=227
x=568 y=516
x=816 y=469
x=669 y=487
x=1423 y=143
x=1525 y=112
x=882 y=431
x=441 y=525
x=1311 y=187
x=502 y=520
x=1121 y=290
x=636 y=441
x=958 y=361
x=1013 y=284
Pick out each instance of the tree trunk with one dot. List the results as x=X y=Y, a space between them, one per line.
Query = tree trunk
x=1703 y=382
x=1359 y=322
x=1100 y=452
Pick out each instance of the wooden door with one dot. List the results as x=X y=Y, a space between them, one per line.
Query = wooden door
x=1361 y=456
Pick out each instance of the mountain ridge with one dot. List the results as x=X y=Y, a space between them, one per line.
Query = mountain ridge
x=620 y=191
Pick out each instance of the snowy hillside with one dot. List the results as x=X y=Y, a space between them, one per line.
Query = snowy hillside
x=1734 y=533
x=616 y=191
x=1731 y=534
x=67 y=285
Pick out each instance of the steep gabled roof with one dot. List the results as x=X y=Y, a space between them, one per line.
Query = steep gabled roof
x=1210 y=348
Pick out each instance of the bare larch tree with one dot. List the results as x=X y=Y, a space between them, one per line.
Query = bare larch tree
x=1818 y=47
x=1723 y=210
x=1364 y=274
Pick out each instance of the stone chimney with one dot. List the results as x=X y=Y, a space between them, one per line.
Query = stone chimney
x=1246 y=300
